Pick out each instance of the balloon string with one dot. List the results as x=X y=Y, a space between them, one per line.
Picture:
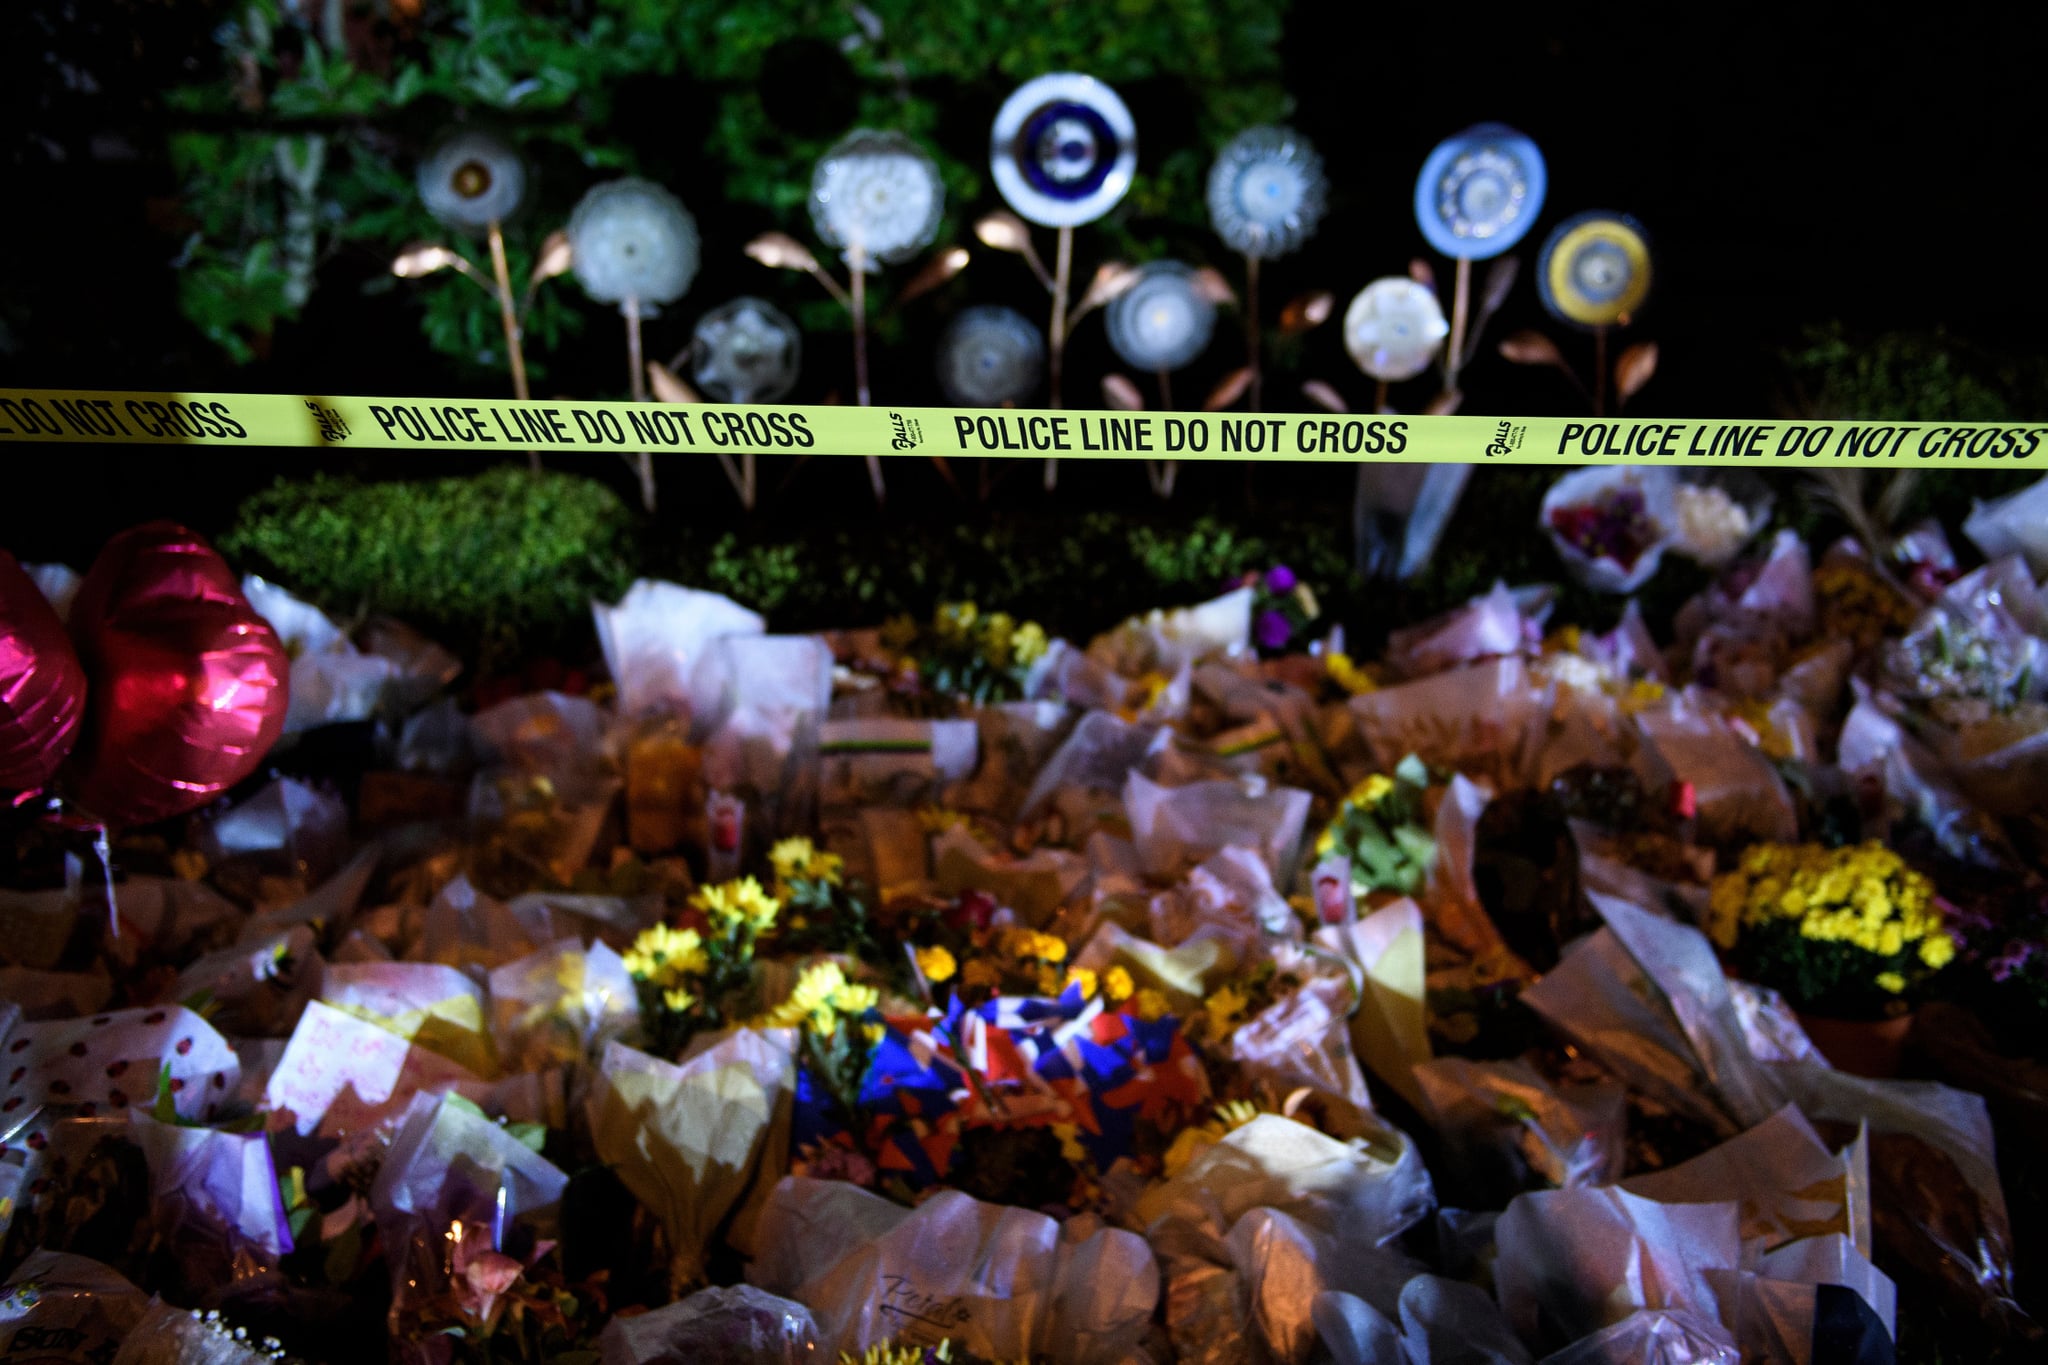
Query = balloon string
x=103 y=846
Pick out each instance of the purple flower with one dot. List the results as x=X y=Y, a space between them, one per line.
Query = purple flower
x=1280 y=579
x=1272 y=630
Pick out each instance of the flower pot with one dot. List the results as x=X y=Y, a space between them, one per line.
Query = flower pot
x=1861 y=1047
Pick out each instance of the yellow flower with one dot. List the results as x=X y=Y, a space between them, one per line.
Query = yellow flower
x=677 y=1001
x=1937 y=950
x=1372 y=791
x=731 y=905
x=790 y=857
x=1117 y=986
x=1642 y=694
x=1070 y=1142
x=997 y=631
x=981 y=973
x=1891 y=981
x=810 y=999
x=1232 y=1115
x=1349 y=675
x=1225 y=1008
x=1028 y=645
x=954 y=620
x=1030 y=943
x=937 y=964
x=855 y=999
x=1151 y=1005
x=1326 y=842
x=1191 y=1143
x=1082 y=977
x=662 y=954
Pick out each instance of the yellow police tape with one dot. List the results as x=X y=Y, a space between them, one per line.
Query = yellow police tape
x=300 y=421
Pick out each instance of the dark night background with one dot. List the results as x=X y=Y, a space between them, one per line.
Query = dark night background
x=1794 y=165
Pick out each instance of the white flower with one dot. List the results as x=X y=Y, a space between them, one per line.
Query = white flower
x=877 y=193
x=1266 y=192
x=634 y=244
x=745 y=352
x=1479 y=192
x=1393 y=328
x=1063 y=149
x=990 y=356
x=1162 y=321
x=470 y=180
x=1712 y=527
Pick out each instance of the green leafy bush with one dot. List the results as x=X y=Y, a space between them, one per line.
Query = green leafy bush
x=497 y=564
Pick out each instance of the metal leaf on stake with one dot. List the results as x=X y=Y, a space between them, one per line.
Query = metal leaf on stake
x=1634 y=368
x=1062 y=150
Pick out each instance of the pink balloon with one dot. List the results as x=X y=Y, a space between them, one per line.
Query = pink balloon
x=189 y=683
x=42 y=686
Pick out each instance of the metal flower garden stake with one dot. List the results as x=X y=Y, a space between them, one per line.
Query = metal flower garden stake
x=633 y=244
x=1478 y=195
x=1594 y=275
x=1161 y=322
x=745 y=351
x=1063 y=150
x=473 y=182
x=1266 y=195
x=876 y=197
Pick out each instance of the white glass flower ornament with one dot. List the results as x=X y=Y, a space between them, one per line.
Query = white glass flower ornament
x=471 y=179
x=745 y=351
x=1162 y=320
x=633 y=243
x=1267 y=192
x=1394 y=328
x=1063 y=149
x=990 y=356
x=878 y=196
x=1480 y=191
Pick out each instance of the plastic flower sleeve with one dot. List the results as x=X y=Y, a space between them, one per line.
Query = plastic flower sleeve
x=1653 y=1337
x=764 y=699
x=216 y=1201
x=1389 y=1030
x=1574 y=1261
x=1372 y=1189
x=686 y=1139
x=1304 y=1039
x=1737 y=791
x=555 y=1006
x=456 y=1190
x=741 y=1325
x=1508 y=1126
x=655 y=636
x=1500 y=622
x=58 y=1302
x=1486 y=720
x=1611 y=525
x=1936 y=1200
x=2014 y=524
x=1005 y=1283
x=176 y=1336
x=1176 y=826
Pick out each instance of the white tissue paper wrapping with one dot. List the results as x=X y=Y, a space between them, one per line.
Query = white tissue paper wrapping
x=1005 y=1283
x=655 y=636
x=1658 y=487
x=1168 y=641
x=1174 y=827
x=331 y=680
x=2014 y=524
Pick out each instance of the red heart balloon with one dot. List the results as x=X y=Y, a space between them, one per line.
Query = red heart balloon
x=42 y=686
x=189 y=683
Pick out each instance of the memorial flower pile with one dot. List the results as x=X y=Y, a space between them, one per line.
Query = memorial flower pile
x=945 y=989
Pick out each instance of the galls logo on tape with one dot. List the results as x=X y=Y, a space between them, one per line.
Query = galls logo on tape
x=906 y=432
x=1507 y=438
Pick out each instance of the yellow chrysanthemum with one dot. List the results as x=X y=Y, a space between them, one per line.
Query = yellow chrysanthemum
x=1028 y=644
x=1225 y=1008
x=743 y=903
x=1082 y=977
x=662 y=955
x=1372 y=791
x=677 y=1001
x=937 y=964
x=1937 y=950
x=981 y=974
x=1349 y=675
x=1117 y=986
x=1891 y=981
x=1151 y=1005
x=1031 y=944
x=810 y=999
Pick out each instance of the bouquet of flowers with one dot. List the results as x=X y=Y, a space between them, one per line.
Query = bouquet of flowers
x=1845 y=932
x=1283 y=608
x=965 y=654
x=1382 y=829
x=689 y=976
